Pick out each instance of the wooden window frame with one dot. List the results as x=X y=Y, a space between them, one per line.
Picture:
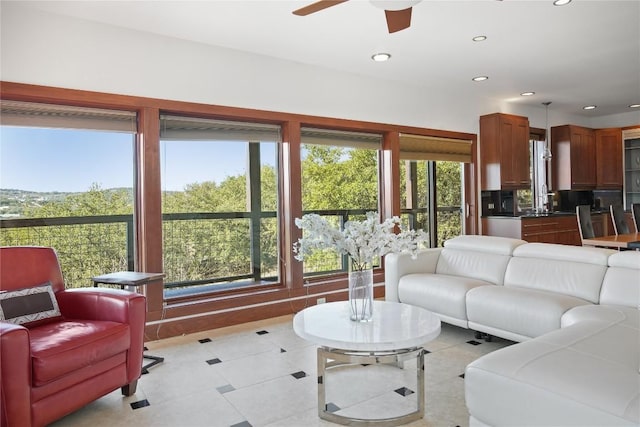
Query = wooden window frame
x=212 y=311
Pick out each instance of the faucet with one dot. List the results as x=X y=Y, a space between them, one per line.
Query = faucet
x=545 y=198
x=543 y=201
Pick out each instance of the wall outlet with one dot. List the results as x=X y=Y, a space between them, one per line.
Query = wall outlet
x=321 y=300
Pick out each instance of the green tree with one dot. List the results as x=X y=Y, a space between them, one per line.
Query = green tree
x=335 y=178
x=339 y=178
x=449 y=194
x=212 y=248
x=84 y=250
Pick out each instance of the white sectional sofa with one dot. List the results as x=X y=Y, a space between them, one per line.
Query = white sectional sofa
x=574 y=310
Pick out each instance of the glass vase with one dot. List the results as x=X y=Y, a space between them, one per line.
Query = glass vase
x=361 y=294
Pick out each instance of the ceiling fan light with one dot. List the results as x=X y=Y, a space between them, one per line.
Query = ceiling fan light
x=380 y=57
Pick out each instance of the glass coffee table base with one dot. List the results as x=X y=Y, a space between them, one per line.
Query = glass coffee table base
x=329 y=358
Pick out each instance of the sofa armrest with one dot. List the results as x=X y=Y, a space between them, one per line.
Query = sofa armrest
x=397 y=265
x=113 y=305
x=15 y=374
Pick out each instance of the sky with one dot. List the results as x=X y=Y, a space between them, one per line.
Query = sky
x=37 y=159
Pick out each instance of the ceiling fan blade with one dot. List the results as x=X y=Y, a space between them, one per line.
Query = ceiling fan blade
x=317 y=7
x=398 y=19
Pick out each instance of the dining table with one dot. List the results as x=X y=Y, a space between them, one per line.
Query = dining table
x=616 y=241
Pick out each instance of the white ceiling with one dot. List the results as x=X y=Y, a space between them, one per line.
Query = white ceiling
x=587 y=52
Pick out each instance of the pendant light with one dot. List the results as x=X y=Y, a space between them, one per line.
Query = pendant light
x=546 y=153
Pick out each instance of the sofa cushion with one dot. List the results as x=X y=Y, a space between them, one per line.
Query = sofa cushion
x=438 y=293
x=570 y=270
x=584 y=375
x=487 y=244
x=581 y=254
x=61 y=347
x=477 y=257
x=621 y=284
x=524 y=312
x=23 y=306
x=472 y=264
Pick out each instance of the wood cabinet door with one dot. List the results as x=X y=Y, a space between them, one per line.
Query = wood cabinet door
x=504 y=152
x=583 y=158
x=568 y=233
x=507 y=134
x=608 y=144
x=543 y=230
x=521 y=155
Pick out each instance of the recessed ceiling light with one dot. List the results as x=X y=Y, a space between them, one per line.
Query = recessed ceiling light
x=561 y=2
x=634 y=106
x=589 y=107
x=479 y=38
x=480 y=78
x=527 y=93
x=380 y=57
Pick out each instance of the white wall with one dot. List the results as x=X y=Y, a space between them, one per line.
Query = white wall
x=619 y=120
x=45 y=49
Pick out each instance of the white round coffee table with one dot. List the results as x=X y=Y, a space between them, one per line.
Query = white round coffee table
x=396 y=333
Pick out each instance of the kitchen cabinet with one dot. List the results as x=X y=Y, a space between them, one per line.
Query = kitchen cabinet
x=567 y=231
x=543 y=230
x=554 y=228
x=573 y=163
x=504 y=152
x=608 y=159
x=632 y=171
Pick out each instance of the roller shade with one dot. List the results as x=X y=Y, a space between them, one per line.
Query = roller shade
x=370 y=141
x=31 y=114
x=188 y=129
x=418 y=147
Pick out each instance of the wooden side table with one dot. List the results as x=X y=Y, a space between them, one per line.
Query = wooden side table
x=131 y=280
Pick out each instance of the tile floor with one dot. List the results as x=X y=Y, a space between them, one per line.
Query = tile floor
x=263 y=374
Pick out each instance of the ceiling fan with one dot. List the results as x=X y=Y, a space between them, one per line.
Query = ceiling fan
x=397 y=12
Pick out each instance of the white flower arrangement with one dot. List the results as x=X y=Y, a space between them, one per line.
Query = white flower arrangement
x=362 y=241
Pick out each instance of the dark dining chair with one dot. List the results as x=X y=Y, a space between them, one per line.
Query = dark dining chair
x=585 y=226
x=620 y=225
x=635 y=211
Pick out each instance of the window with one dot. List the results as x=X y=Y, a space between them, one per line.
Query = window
x=431 y=184
x=219 y=203
x=449 y=200
x=340 y=180
x=67 y=177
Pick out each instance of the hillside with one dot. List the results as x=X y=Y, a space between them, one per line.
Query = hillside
x=13 y=202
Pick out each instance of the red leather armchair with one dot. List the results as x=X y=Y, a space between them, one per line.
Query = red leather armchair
x=54 y=366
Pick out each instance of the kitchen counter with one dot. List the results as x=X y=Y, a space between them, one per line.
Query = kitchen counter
x=544 y=215
x=552 y=227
